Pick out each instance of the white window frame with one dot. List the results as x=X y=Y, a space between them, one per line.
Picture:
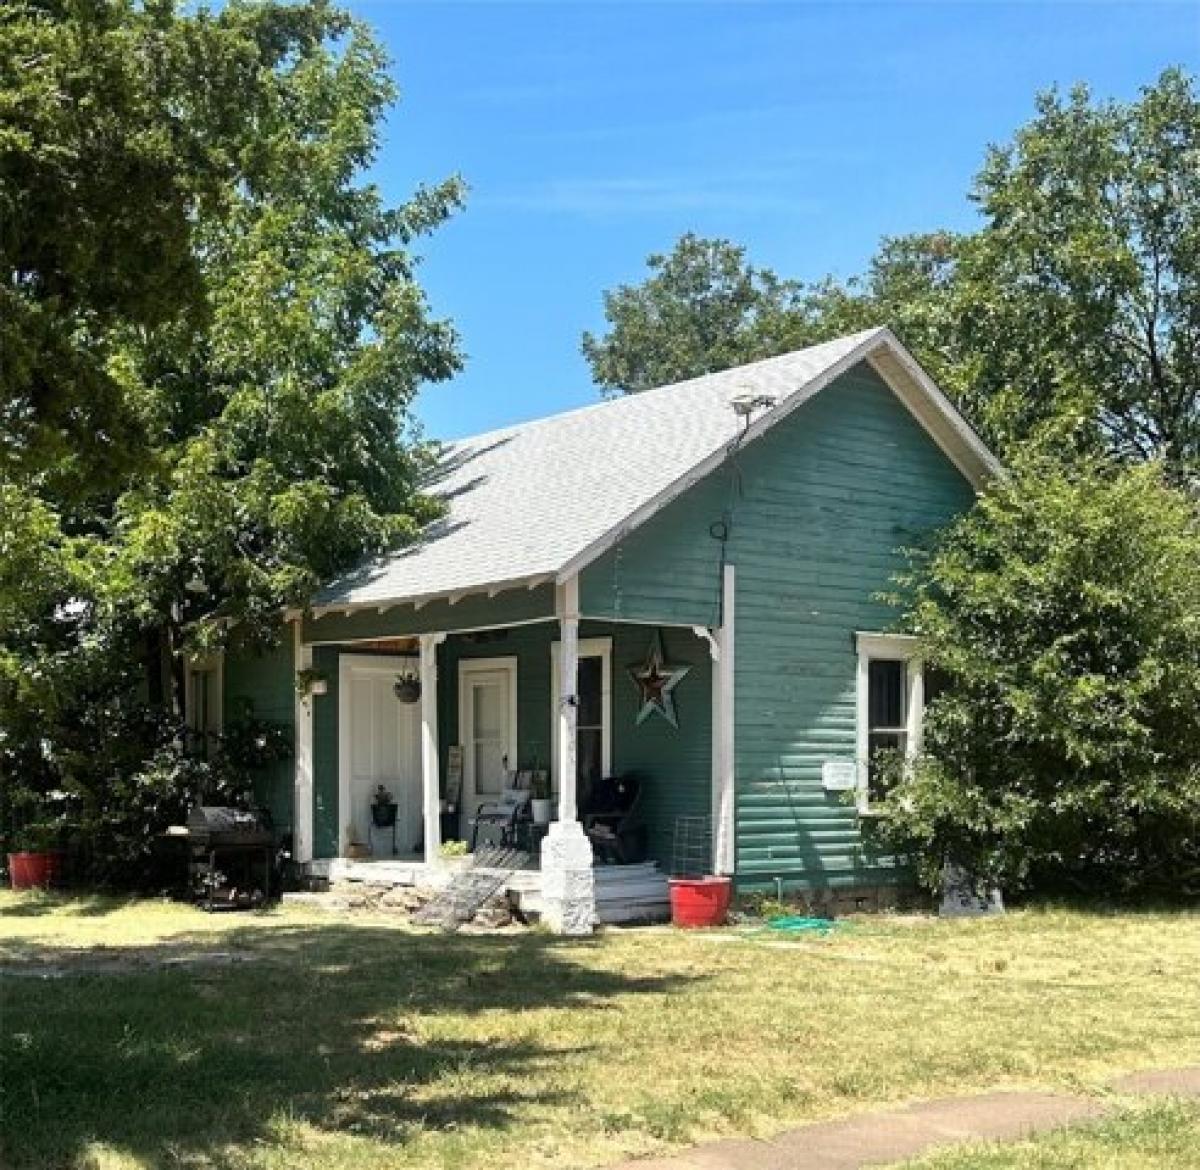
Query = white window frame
x=466 y=668
x=893 y=648
x=213 y=665
x=588 y=648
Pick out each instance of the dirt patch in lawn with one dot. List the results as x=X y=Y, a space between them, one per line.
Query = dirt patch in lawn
x=59 y=962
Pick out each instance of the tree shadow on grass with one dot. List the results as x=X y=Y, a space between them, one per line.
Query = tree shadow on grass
x=37 y=905
x=348 y=1029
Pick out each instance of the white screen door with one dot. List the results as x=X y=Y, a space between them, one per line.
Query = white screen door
x=380 y=744
x=487 y=715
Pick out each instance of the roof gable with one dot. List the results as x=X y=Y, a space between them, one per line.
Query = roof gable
x=542 y=499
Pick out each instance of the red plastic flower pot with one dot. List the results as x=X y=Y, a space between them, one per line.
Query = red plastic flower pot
x=700 y=901
x=31 y=871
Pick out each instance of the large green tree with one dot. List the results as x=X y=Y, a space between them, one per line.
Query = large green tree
x=212 y=331
x=704 y=307
x=1081 y=295
x=1064 y=610
x=1077 y=299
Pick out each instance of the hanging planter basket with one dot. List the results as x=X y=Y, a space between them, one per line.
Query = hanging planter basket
x=407 y=688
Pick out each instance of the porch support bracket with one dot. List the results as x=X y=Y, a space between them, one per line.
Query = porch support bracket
x=712 y=638
x=431 y=784
x=568 y=885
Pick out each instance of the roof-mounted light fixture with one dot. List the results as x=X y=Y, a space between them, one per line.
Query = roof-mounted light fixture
x=746 y=402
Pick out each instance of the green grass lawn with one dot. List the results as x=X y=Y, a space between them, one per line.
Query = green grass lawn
x=1157 y=1136
x=148 y=1034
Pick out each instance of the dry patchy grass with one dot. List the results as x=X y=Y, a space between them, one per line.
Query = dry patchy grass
x=359 y=1043
x=1163 y=1135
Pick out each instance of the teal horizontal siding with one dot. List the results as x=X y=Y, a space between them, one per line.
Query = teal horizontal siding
x=828 y=499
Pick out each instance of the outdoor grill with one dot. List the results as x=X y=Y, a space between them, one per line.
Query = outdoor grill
x=226 y=846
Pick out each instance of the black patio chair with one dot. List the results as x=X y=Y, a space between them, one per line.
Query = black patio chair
x=612 y=821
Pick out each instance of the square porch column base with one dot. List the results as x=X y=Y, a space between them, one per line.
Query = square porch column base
x=568 y=887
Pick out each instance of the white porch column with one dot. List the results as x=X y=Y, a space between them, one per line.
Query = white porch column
x=302 y=808
x=568 y=887
x=431 y=785
x=723 y=705
x=568 y=707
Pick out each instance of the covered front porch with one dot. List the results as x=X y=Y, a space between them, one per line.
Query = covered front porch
x=516 y=680
x=622 y=893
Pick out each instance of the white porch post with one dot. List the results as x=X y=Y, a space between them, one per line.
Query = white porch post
x=431 y=786
x=568 y=708
x=723 y=705
x=302 y=809
x=568 y=888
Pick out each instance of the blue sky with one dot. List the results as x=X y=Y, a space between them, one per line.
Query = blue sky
x=594 y=134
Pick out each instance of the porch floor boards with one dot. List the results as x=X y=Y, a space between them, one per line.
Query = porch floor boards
x=624 y=893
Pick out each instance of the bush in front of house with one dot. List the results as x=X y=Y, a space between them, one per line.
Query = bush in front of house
x=1065 y=752
x=96 y=799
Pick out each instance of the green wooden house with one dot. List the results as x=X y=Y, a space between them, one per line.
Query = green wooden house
x=682 y=584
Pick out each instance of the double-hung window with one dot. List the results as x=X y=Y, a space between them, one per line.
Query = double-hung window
x=202 y=699
x=891 y=702
x=593 y=711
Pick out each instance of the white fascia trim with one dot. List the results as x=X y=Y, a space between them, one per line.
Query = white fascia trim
x=945 y=425
x=928 y=404
x=417 y=600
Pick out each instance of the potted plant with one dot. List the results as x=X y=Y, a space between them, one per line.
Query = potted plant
x=35 y=861
x=407 y=687
x=383 y=809
x=355 y=849
x=541 y=806
x=311 y=682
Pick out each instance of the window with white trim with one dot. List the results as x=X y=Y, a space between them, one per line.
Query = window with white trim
x=593 y=711
x=891 y=704
x=202 y=700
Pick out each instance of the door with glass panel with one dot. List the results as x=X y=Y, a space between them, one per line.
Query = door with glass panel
x=487 y=722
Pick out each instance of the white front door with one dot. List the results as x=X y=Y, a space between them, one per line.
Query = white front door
x=487 y=725
x=380 y=744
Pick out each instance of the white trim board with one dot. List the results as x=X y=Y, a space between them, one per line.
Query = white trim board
x=212 y=664
x=302 y=800
x=507 y=664
x=897 y=648
x=588 y=648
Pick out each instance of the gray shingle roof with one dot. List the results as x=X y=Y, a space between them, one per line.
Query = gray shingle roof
x=528 y=500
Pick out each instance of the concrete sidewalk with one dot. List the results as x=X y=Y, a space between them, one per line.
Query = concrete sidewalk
x=876 y=1139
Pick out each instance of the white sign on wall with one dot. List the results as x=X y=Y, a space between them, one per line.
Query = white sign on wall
x=839 y=776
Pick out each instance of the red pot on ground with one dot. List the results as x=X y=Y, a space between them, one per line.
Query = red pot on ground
x=700 y=901
x=29 y=871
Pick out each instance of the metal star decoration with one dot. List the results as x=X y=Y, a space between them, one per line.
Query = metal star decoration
x=655 y=680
